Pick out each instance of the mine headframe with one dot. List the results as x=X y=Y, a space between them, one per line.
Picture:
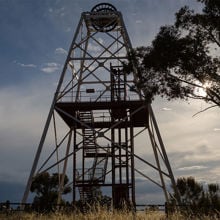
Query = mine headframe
x=99 y=121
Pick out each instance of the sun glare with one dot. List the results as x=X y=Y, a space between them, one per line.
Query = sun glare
x=207 y=85
x=201 y=91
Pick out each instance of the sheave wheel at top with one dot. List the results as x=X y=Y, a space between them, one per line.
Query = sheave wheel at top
x=104 y=24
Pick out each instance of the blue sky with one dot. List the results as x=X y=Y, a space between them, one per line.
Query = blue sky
x=34 y=38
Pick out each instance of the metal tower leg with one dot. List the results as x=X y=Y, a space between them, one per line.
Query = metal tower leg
x=37 y=156
x=43 y=137
x=173 y=182
x=64 y=168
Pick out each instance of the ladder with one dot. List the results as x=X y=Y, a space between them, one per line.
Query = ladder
x=118 y=82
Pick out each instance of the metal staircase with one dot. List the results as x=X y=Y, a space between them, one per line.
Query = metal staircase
x=97 y=172
x=85 y=194
x=89 y=140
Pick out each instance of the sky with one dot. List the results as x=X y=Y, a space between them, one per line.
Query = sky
x=34 y=40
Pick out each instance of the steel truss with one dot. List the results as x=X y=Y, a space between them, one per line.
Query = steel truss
x=99 y=123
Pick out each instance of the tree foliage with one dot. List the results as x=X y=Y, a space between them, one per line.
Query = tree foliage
x=183 y=58
x=190 y=190
x=46 y=187
x=198 y=198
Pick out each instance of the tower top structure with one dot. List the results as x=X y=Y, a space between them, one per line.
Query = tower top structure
x=104 y=21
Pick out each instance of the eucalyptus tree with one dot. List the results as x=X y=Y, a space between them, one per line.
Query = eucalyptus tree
x=183 y=60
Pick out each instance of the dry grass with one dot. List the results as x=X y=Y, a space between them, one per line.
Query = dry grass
x=101 y=215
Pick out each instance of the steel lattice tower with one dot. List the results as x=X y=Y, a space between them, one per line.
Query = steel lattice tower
x=96 y=117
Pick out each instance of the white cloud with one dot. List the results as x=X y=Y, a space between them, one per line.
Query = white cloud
x=198 y=167
x=100 y=40
x=60 y=50
x=191 y=143
x=59 y=11
x=167 y=109
x=93 y=48
x=30 y=65
x=138 y=21
x=216 y=129
x=50 y=67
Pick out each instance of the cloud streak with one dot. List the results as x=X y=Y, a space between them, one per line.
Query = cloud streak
x=30 y=65
x=198 y=167
x=166 y=109
x=60 y=50
x=50 y=67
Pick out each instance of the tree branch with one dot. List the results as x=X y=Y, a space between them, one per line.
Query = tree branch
x=187 y=82
x=213 y=37
x=204 y=110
